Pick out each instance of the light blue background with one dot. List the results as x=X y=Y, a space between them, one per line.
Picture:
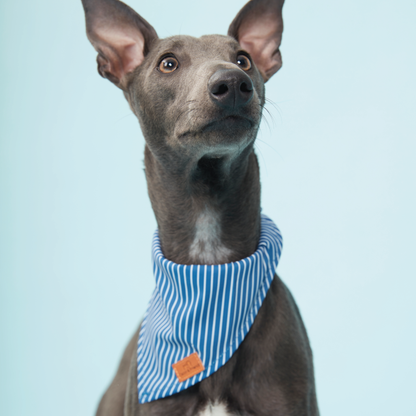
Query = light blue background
x=338 y=175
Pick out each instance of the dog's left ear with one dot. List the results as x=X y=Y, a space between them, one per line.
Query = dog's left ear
x=258 y=28
x=121 y=37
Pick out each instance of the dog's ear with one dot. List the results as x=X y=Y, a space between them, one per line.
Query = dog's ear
x=258 y=28
x=121 y=37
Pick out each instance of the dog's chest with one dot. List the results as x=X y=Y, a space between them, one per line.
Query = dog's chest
x=216 y=409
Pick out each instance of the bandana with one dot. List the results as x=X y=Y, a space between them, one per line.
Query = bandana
x=199 y=315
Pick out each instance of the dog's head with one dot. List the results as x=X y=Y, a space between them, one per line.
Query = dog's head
x=193 y=96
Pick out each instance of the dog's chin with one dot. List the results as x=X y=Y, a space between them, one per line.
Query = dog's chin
x=221 y=136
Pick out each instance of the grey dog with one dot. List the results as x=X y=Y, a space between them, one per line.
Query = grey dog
x=199 y=102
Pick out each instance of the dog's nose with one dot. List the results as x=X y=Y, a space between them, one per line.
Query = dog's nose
x=230 y=88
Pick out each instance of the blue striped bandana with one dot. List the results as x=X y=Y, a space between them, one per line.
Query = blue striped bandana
x=199 y=314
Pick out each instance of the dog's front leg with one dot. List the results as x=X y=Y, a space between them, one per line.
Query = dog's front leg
x=112 y=402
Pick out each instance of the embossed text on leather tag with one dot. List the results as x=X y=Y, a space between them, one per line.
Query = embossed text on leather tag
x=188 y=367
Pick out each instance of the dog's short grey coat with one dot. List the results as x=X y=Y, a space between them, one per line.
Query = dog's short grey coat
x=200 y=122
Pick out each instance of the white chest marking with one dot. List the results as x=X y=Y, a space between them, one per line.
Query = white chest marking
x=207 y=247
x=216 y=409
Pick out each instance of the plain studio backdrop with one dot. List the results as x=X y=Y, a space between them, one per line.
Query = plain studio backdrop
x=337 y=159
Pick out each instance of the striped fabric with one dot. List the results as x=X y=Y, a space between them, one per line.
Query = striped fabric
x=203 y=309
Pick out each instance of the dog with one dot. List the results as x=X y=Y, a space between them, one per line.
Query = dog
x=199 y=102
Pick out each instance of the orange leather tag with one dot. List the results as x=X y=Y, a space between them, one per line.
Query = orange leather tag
x=188 y=367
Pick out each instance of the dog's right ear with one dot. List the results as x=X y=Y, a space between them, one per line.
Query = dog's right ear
x=121 y=37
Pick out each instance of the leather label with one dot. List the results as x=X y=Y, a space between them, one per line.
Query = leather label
x=188 y=367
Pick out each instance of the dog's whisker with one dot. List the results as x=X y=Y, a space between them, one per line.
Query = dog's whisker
x=276 y=107
x=267 y=144
x=261 y=154
x=266 y=121
x=122 y=118
x=184 y=113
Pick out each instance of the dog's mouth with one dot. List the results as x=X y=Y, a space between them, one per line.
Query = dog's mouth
x=228 y=123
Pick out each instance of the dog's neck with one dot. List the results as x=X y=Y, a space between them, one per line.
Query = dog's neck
x=207 y=210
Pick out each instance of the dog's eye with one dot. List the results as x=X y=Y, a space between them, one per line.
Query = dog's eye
x=168 y=65
x=243 y=62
